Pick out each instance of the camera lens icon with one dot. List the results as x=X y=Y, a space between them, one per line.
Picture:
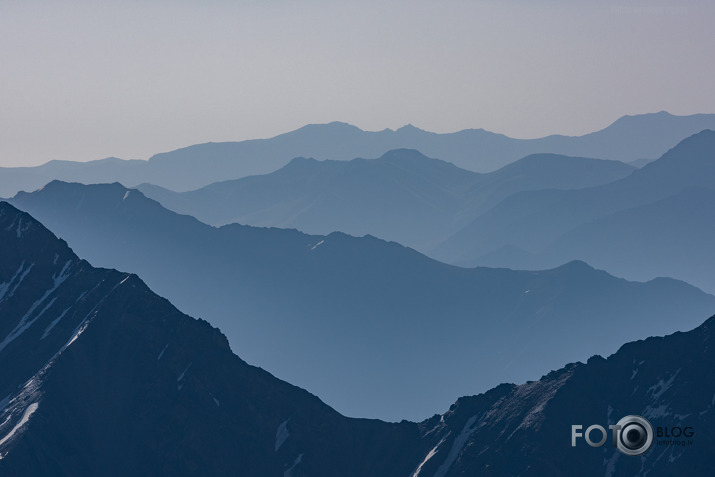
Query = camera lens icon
x=635 y=435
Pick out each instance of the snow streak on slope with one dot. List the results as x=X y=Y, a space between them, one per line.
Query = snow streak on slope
x=25 y=417
x=26 y=321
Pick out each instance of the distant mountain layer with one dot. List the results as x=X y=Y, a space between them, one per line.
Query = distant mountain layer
x=374 y=328
x=630 y=138
x=658 y=221
x=100 y=376
x=402 y=196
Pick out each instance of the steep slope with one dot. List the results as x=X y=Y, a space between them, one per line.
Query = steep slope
x=103 y=377
x=526 y=430
x=533 y=220
x=402 y=196
x=360 y=321
x=645 y=136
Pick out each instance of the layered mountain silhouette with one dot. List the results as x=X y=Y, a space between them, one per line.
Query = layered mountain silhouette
x=100 y=376
x=654 y=222
x=402 y=196
x=375 y=328
x=103 y=377
x=630 y=138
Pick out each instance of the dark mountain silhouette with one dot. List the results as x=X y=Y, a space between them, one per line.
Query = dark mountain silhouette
x=402 y=196
x=526 y=430
x=103 y=377
x=645 y=136
x=360 y=321
x=548 y=225
x=100 y=376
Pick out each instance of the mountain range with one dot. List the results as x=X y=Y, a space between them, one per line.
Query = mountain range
x=631 y=138
x=403 y=196
x=538 y=212
x=102 y=376
x=373 y=327
x=657 y=221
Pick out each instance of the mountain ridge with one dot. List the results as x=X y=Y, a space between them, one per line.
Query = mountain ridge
x=473 y=149
x=534 y=221
x=402 y=195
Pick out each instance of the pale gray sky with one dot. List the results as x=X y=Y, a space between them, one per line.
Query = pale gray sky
x=84 y=80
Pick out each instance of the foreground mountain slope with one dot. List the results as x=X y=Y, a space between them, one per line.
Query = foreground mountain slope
x=402 y=196
x=645 y=136
x=534 y=220
x=352 y=318
x=526 y=430
x=106 y=378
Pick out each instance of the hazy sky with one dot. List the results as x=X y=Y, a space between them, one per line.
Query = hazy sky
x=85 y=80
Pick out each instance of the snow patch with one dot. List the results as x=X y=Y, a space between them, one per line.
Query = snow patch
x=4 y=402
x=656 y=412
x=672 y=457
x=289 y=472
x=215 y=400
x=21 y=229
x=85 y=322
x=23 y=325
x=457 y=446
x=282 y=434
x=430 y=454
x=181 y=376
x=25 y=417
x=318 y=244
x=52 y=325
x=81 y=296
x=5 y=287
x=162 y=351
x=126 y=194
x=78 y=331
x=662 y=386
x=25 y=322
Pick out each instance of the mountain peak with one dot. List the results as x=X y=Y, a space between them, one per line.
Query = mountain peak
x=689 y=156
x=402 y=154
x=332 y=127
x=300 y=160
x=410 y=128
